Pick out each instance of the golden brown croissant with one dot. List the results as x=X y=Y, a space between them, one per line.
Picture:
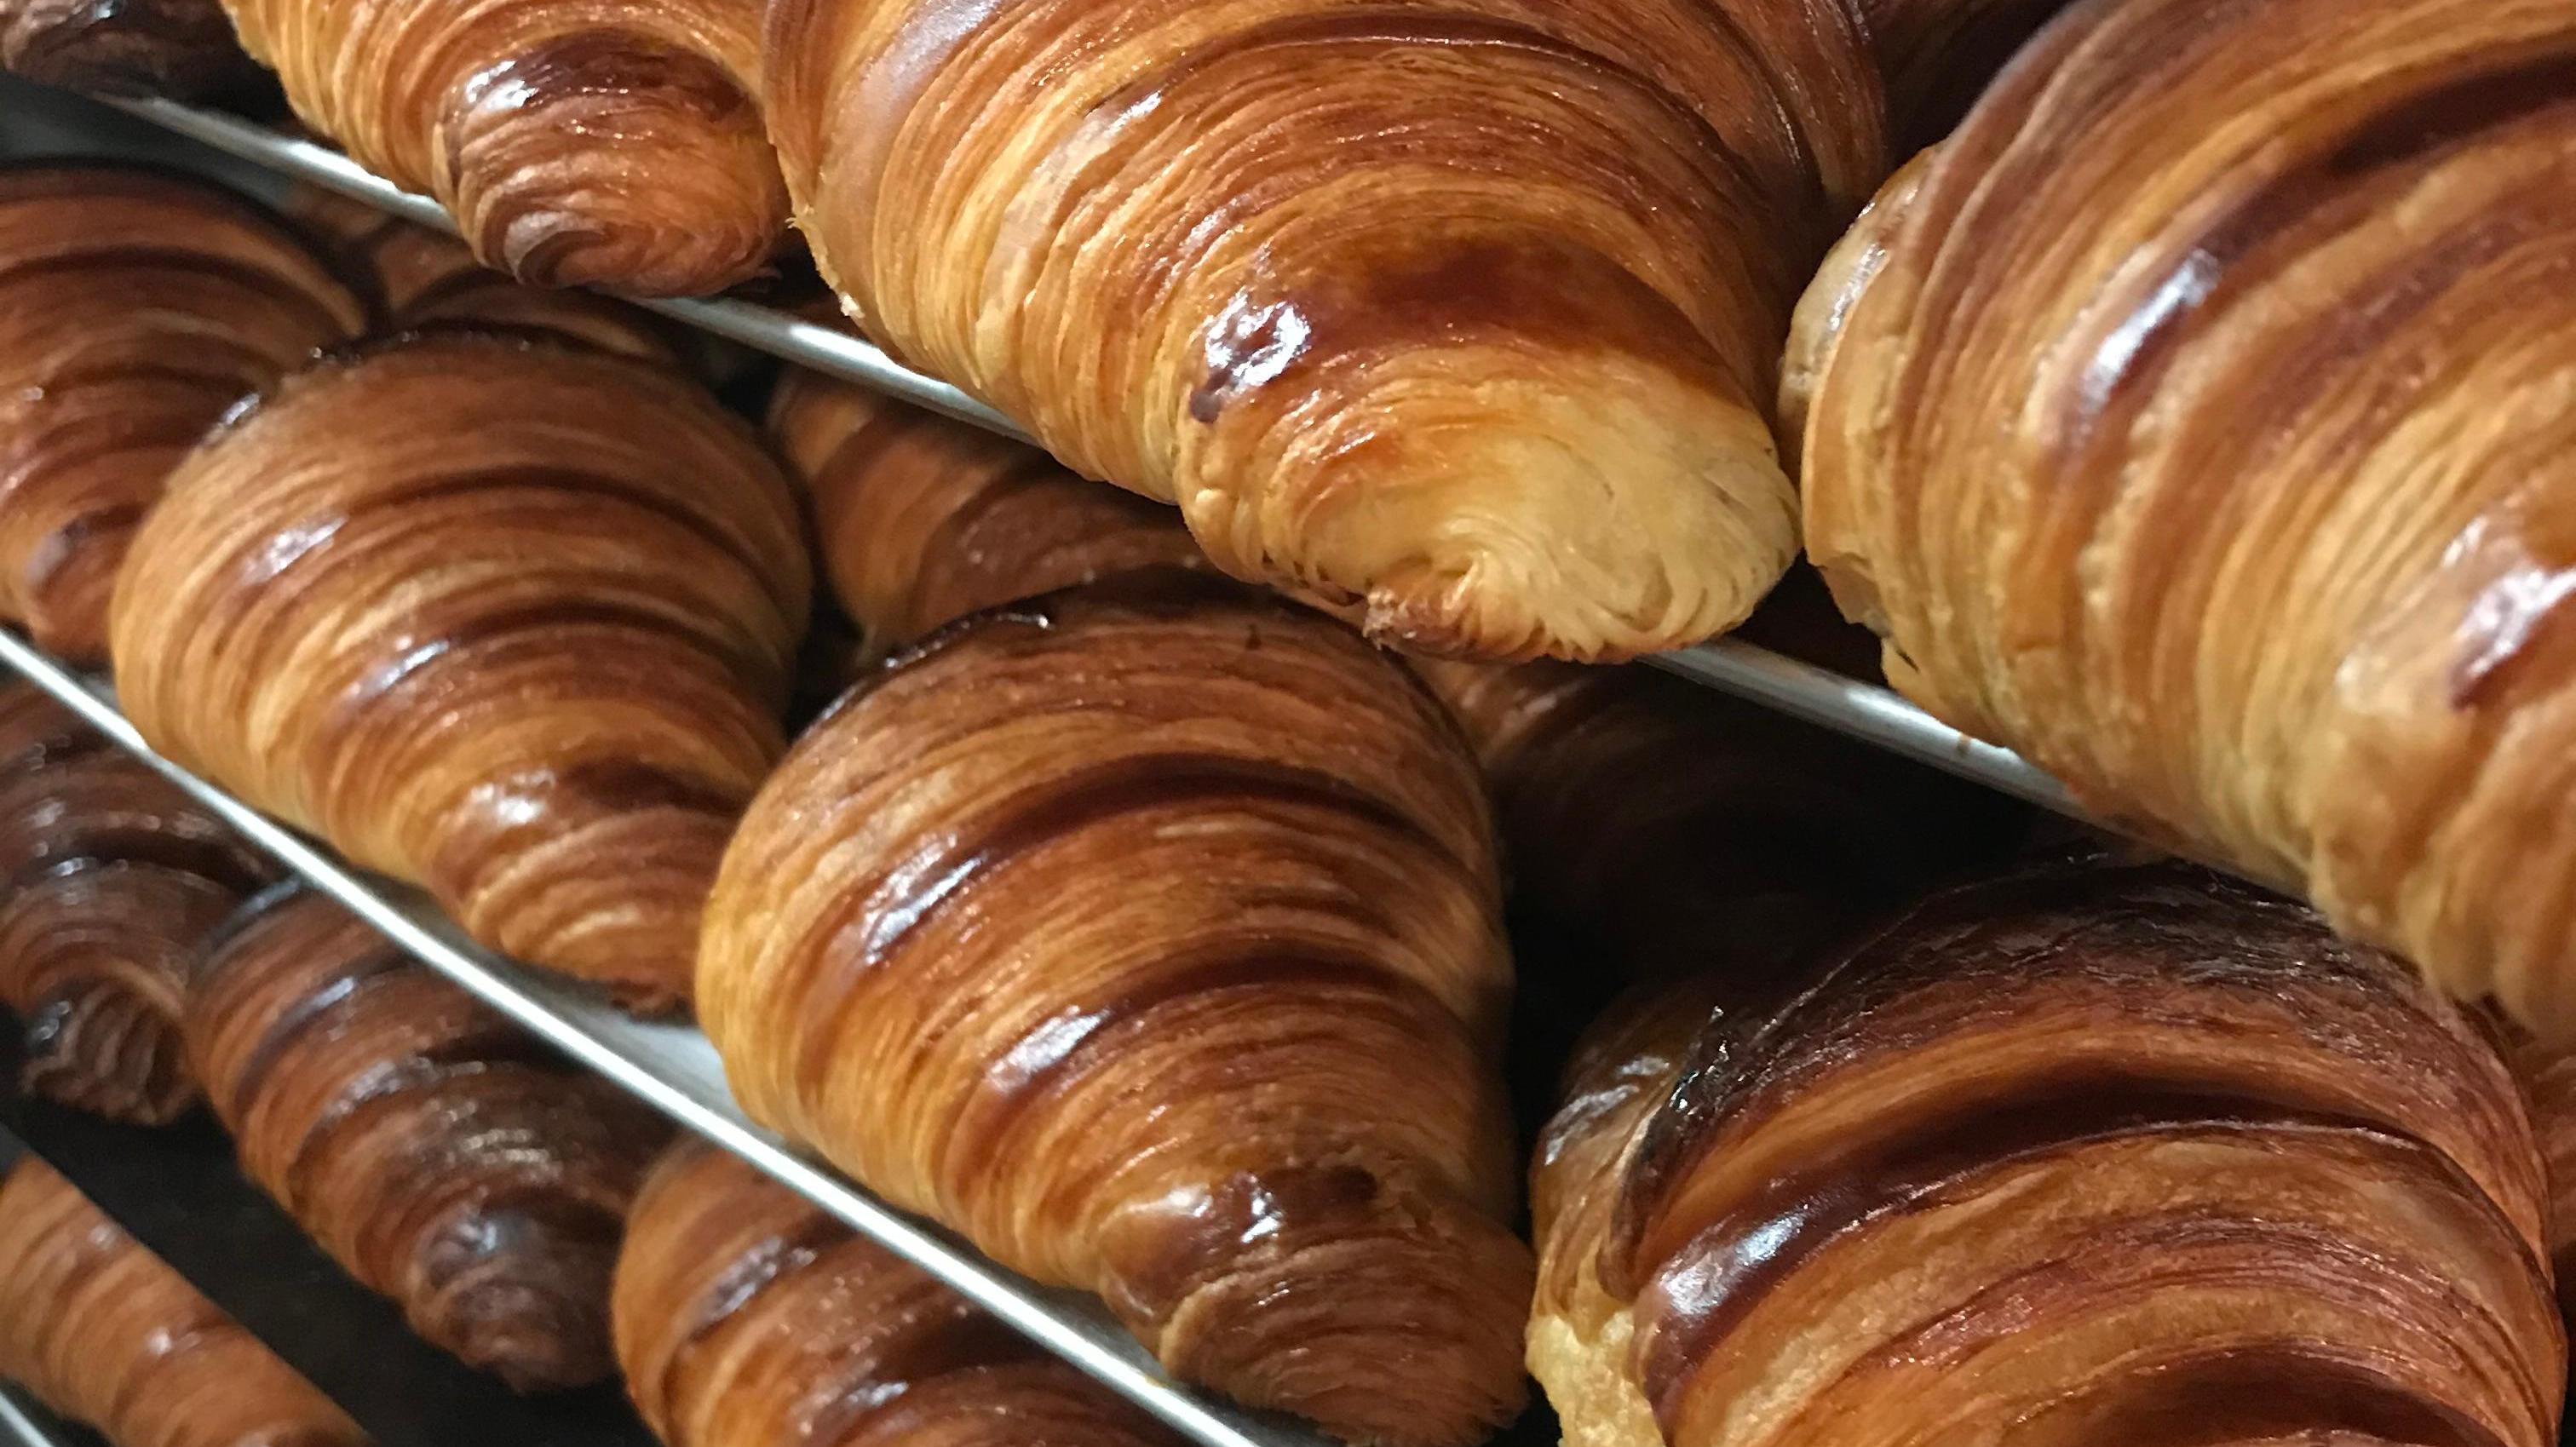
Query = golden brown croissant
x=509 y=620
x=2077 y=1155
x=2203 y=430
x=1463 y=316
x=439 y=1154
x=1147 y=934
x=104 y=1331
x=921 y=520
x=747 y=1317
x=134 y=308
x=612 y=143
x=177 y=48
x=113 y=879
x=421 y=278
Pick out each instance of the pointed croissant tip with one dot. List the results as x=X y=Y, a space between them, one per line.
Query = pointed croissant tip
x=1404 y=1333
x=538 y=196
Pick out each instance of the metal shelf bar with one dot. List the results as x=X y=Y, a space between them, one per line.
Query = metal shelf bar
x=27 y=1424
x=674 y=1068
x=1865 y=711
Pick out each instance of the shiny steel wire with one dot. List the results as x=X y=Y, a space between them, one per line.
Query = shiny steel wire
x=675 y=1070
x=24 y=1423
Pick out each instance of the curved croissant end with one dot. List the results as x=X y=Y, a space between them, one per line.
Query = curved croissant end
x=113 y=878
x=106 y=1333
x=746 y=1317
x=1147 y=934
x=181 y=49
x=134 y=308
x=439 y=1154
x=2208 y=434
x=921 y=520
x=533 y=124
x=2083 y=1154
x=1496 y=377
x=511 y=621
x=423 y=279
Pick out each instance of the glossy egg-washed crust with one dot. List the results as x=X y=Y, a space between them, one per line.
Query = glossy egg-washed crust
x=112 y=879
x=135 y=306
x=422 y=279
x=104 y=1332
x=1147 y=934
x=181 y=49
x=509 y=620
x=612 y=143
x=2203 y=425
x=747 y=1317
x=1462 y=315
x=2085 y=1153
x=437 y=1152
x=921 y=520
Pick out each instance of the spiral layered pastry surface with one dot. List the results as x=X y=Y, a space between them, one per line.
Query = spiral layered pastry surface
x=1147 y=934
x=747 y=1317
x=113 y=878
x=1462 y=316
x=2200 y=421
x=104 y=1332
x=2083 y=1153
x=510 y=620
x=135 y=307
x=611 y=143
x=436 y=1151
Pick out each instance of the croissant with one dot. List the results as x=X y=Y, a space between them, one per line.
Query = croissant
x=183 y=49
x=1461 y=317
x=1147 y=934
x=2548 y=1076
x=2198 y=424
x=509 y=620
x=2077 y=1154
x=747 y=1317
x=435 y=1151
x=135 y=306
x=921 y=520
x=113 y=879
x=104 y=1331
x=1653 y=820
x=610 y=143
x=424 y=279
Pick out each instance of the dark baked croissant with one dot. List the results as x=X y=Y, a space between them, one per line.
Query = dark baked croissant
x=2078 y=1155
x=1657 y=821
x=177 y=48
x=438 y=1153
x=2548 y=1076
x=423 y=278
x=104 y=1331
x=611 y=143
x=1462 y=316
x=510 y=620
x=921 y=520
x=2198 y=422
x=746 y=1317
x=113 y=877
x=1147 y=934
x=1939 y=55
x=134 y=308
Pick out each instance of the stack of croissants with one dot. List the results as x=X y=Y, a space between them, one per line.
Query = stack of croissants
x=2193 y=410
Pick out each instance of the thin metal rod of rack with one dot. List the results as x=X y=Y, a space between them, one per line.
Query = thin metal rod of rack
x=1789 y=685
x=25 y=1423
x=674 y=1069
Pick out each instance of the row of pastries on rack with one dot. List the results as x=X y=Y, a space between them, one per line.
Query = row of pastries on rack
x=2196 y=416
